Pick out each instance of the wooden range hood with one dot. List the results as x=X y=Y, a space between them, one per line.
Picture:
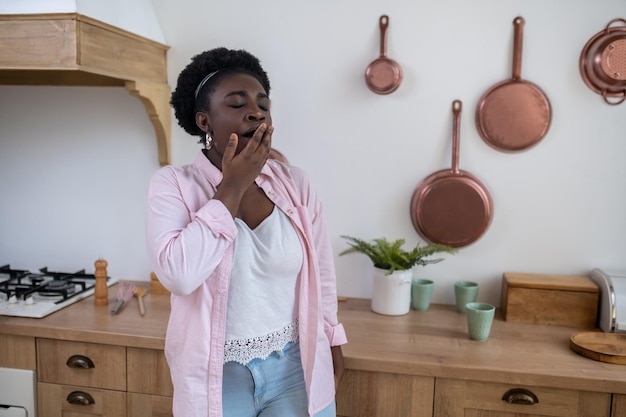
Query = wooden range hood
x=71 y=49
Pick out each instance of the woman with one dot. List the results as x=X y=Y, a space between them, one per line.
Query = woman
x=241 y=242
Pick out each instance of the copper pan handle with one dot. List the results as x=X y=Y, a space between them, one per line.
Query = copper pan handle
x=518 y=38
x=457 y=106
x=605 y=95
x=609 y=28
x=384 y=23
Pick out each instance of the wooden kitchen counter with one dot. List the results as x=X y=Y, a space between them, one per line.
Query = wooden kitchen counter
x=435 y=343
x=432 y=343
x=85 y=322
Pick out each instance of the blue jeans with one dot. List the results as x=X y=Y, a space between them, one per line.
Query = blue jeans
x=273 y=387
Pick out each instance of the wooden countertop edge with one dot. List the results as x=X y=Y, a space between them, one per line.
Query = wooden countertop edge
x=84 y=335
x=581 y=382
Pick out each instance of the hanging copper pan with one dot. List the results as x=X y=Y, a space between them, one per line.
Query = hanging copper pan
x=384 y=75
x=452 y=206
x=514 y=114
x=603 y=63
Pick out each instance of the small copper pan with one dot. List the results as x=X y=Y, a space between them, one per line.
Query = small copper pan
x=603 y=62
x=452 y=206
x=384 y=75
x=514 y=114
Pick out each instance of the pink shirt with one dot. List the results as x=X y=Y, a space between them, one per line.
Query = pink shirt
x=190 y=244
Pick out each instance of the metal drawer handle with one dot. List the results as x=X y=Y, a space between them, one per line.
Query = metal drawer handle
x=520 y=396
x=80 y=362
x=80 y=398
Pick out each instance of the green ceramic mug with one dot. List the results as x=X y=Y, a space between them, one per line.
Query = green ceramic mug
x=479 y=319
x=464 y=292
x=421 y=293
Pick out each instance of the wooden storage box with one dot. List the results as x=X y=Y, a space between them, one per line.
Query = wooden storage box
x=560 y=300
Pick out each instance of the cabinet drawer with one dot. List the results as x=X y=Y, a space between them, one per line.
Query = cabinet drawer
x=469 y=398
x=84 y=364
x=381 y=394
x=65 y=400
x=148 y=372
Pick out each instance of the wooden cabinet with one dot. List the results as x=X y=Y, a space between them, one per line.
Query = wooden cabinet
x=618 y=408
x=418 y=365
x=82 y=364
x=380 y=394
x=150 y=388
x=483 y=399
x=73 y=49
x=74 y=401
x=143 y=405
x=373 y=394
x=18 y=352
x=76 y=378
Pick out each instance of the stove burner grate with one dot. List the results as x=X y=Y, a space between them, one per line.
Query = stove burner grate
x=63 y=285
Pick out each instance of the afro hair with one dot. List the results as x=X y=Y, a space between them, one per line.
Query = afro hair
x=226 y=62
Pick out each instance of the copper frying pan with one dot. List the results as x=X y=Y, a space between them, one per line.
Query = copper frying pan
x=452 y=206
x=514 y=114
x=384 y=75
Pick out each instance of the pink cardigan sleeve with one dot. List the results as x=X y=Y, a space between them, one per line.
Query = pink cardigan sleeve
x=185 y=243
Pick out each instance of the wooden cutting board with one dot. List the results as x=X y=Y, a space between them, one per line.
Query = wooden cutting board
x=603 y=347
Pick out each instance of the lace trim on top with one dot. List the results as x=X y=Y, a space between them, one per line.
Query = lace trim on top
x=260 y=347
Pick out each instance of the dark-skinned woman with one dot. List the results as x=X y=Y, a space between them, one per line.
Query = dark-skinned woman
x=241 y=242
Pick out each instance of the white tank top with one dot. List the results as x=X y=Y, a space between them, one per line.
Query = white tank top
x=262 y=307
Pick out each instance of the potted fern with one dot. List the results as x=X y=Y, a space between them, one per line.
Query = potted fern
x=393 y=269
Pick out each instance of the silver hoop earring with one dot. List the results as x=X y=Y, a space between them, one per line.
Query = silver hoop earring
x=208 y=142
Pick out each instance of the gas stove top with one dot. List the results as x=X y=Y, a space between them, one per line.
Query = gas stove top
x=25 y=293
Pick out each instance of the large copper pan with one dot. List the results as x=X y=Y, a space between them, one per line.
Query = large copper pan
x=384 y=75
x=603 y=63
x=452 y=206
x=514 y=114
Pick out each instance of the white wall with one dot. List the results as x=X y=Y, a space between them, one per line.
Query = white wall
x=558 y=208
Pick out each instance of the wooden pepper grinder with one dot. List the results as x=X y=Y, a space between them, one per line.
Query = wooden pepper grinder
x=101 y=291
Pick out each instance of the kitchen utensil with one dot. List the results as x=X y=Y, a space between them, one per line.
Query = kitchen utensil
x=602 y=62
x=125 y=292
x=383 y=75
x=101 y=292
x=452 y=206
x=599 y=346
x=139 y=292
x=514 y=114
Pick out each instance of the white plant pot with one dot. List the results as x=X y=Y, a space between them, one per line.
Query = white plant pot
x=391 y=293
